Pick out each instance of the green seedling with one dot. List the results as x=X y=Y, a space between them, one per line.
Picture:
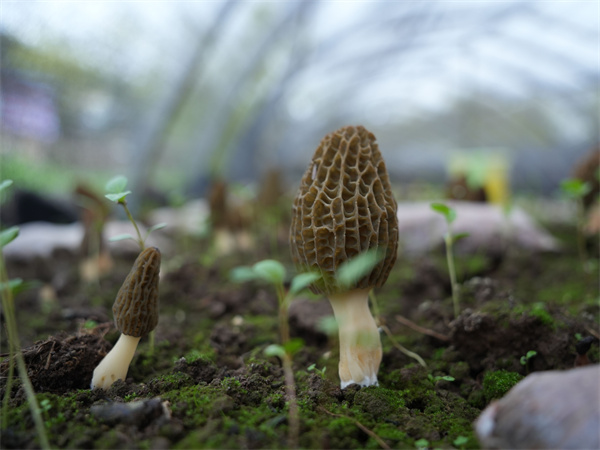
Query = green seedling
x=576 y=189
x=525 y=359
x=433 y=380
x=450 y=239
x=116 y=193
x=313 y=367
x=274 y=273
x=422 y=443
x=460 y=442
x=7 y=290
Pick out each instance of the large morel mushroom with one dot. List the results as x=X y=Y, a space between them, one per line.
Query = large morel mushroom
x=345 y=207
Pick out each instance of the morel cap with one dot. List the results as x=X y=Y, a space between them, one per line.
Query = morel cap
x=344 y=207
x=136 y=307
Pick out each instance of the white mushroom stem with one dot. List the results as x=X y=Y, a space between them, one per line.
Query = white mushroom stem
x=115 y=364
x=360 y=345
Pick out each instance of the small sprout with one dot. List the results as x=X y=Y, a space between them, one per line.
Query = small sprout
x=450 y=239
x=121 y=237
x=8 y=235
x=302 y=281
x=448 y=213
x=358 y=267
x=136 y=314
x=116 y=189
x=270 y=271
x=5 y=184
x=460 y=441
x=273 y=272
x=437 y=378
x=422 y=443
x=530 y=354
x=117 y=194
x=275 y=350
x=90 y=324
x=575 y=188
x=328 y=325
x=320 y=372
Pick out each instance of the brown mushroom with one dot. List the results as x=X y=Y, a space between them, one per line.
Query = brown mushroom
x=136 y=314
x=345 y=207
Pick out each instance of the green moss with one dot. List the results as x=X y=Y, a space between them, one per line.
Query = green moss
x=193 y=404
x=379 y=401
x=497 y=383
x=538 y=310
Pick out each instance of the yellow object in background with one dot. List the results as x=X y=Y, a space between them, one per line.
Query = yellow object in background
x=487 y=169
x=496 y=180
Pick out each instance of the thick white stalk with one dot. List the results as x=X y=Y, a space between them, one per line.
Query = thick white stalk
x=360 y=345
x=115 y=364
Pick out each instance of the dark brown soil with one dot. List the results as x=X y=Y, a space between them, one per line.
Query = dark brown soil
x=208 y=383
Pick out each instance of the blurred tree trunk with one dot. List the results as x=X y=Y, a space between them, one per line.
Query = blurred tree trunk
x=155 y=129
x=215 y=134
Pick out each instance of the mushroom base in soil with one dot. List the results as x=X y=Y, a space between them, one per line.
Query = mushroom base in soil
x=115 y=364
x=360 y=344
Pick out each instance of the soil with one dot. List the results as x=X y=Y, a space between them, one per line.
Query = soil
x=208 y=383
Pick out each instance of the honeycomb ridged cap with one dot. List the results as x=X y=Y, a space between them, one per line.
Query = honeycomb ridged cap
x=344 y=207
x=136 y=307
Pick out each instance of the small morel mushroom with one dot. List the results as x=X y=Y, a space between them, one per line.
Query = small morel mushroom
x=136 y=314
x=345 y=207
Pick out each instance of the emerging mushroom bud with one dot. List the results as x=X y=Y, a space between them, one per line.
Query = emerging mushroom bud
x=136 y=314
x=345 y=207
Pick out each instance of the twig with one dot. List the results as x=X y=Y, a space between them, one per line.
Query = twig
x=409 y=323
x=400 y=347
x=380 y=441
x=49 y=355
x=395 y=343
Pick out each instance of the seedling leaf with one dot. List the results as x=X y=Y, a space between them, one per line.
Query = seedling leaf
x=5 y=184
x=457 y=237
x=242 y=274
x=328 y=325
x=302 y=281
x=12 y=285
x=118 y=197
x=8 y=235
x=158 y=226
x=116 y=184
x=121 y=237
x=444 y=210
x=422 y=443
x=275 y=350
x=574 y=187
x=460 y=441
x=293 y=345
x=270 y=270
x=353 y=270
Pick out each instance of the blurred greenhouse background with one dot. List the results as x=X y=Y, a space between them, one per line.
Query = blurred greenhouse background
x=174 y=94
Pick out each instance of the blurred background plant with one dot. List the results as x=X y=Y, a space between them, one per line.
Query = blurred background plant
x=185 y=93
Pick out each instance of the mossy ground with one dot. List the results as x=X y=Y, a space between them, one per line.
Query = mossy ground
x=208 y=383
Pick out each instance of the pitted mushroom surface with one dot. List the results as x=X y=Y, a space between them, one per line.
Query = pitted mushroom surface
x=345 y=207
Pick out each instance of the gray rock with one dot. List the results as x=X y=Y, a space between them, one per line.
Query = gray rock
x=490 y=229
x=553 y=409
